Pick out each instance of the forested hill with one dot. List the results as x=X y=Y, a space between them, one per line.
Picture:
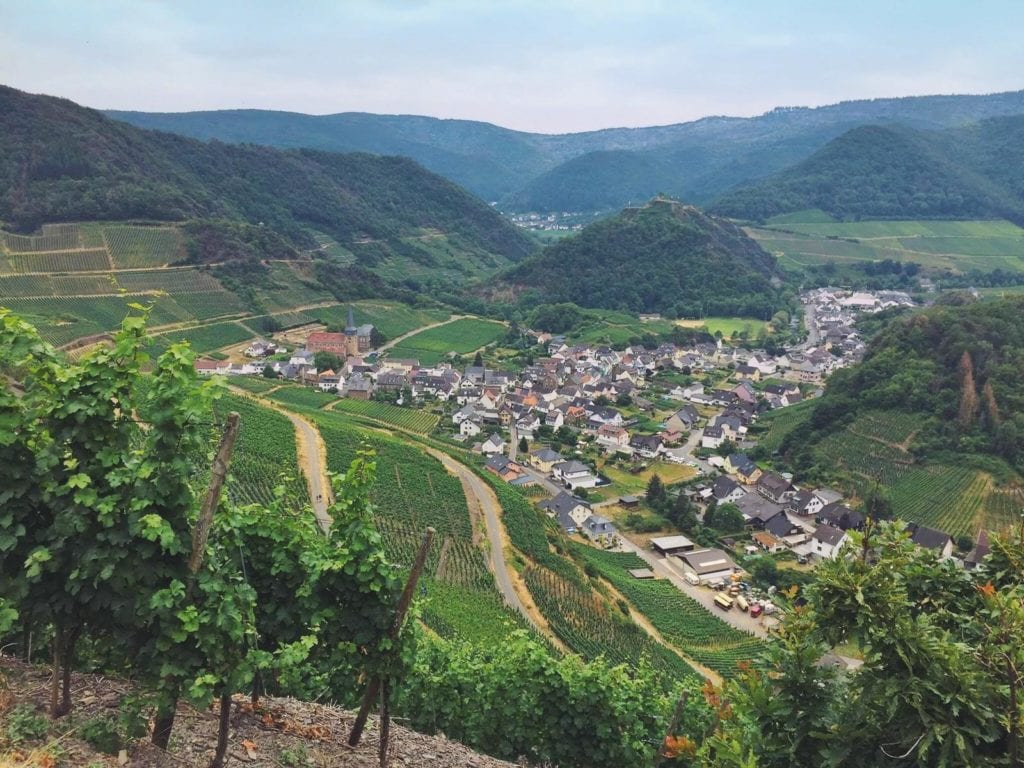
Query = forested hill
x=704 y=158
x=663 y=257
x=955 y=368
x=62 y=162
x=880 y=172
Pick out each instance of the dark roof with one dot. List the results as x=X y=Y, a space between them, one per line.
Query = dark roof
x=563 y=503
x=780 y=525
x=773 y=482
x=742 y=463
x=723 y=486
x=828 y=534
x=755 y=507
x=930 y=538
x=837 y=515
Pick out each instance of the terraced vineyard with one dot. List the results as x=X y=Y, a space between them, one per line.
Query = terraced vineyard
x=681 y=620
x=405 y=418
x=303 y=397
x=780 y=423
x=206 y=338
x=265 y=455
x=134 y=247
x=255 y=384
x=865 y=457
x=590 y=627
x=414 y=491
x=461 y=336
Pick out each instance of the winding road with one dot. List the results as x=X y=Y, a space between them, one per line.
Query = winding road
x=488 y=504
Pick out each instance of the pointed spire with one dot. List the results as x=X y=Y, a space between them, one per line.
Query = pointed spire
x=350 y=328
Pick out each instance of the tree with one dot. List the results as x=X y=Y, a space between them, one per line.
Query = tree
x=623 y=400
x=524 y=445
x=655 y=489
x=327 y=361
x=269 y=372
x=724 y=518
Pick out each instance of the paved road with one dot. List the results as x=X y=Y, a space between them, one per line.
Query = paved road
x=310 y=449
x=488 y=504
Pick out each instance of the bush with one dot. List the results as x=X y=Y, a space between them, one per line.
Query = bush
x=25 y=724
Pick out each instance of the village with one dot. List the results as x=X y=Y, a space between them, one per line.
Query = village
x=583 y=429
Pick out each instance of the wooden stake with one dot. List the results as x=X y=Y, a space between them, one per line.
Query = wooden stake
x=373 y=688
x=221 y=462
x=660 y=755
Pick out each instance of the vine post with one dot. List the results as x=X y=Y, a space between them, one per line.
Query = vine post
x=374 y=686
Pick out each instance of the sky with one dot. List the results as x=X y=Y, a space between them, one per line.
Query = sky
x=552 y=66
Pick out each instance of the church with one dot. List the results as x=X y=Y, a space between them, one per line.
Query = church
x=351 y=342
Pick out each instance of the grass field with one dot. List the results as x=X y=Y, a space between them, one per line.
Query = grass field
x=625 y=482
x=727 y=326
x=952 y=245
x=610 y=327
x=460 y=336
x=390 y=318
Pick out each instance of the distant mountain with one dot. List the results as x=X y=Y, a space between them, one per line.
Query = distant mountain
x=877 y=172
x=63 y=162
x=662 y=257
x=697 y=160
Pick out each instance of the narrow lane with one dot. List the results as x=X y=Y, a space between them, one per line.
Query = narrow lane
x=491 y=510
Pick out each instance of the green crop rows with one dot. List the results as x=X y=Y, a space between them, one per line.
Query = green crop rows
x=781 y=423
x=265 y=455
x=256 y=384
x=887 y=426
x=865 y=457
x=460 y=337
x=681 y=620
x=389 y=318
x=206 y=338
x=54 y=237
x=133 y=247
x=94 y=260
x=304 y=397
x=584 y=622
x=948 y=498
x=406 y=418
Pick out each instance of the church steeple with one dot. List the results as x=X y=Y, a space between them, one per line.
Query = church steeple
x=350 y=329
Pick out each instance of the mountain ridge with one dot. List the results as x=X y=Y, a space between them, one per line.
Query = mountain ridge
x=710 y=154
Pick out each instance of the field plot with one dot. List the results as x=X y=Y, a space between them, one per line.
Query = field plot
x=304 y=397
x=586 y=624
x=390 y=318
x=256 y=384
x=460 y=336
x=134 y=247
x=413 y=491
x=265 y=455
x=406 y=418
x=681 y=620
x=92 y=260
x=52 y=237
x=951 y=499
x=727 y=326
x=206 y=338
x=609 y=327
x=780 y=424
x=953 y=245
x=292 y=288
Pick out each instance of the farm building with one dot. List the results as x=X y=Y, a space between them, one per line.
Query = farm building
x=672 y=545
x=708 y=564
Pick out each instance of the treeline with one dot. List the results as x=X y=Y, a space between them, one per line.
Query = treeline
x=955 y=365
x=892 y=172
x=664 y=257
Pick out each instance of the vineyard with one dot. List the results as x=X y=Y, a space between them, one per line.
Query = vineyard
x=303 y=397
x=265 y=455
x=865 y=457
x=414 y=491
x=780 y=424
x=92 y=260
x=255 y=384
x=136 y=247
x=589 y=626
x=205 y=338
x=404 y=418
x=681 y=620
x=460 y=336
x=389 y=318
x=889 y=427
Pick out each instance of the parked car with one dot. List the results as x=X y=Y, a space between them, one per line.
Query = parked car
x=755 y=610
x=741 y=603
x=692 y=578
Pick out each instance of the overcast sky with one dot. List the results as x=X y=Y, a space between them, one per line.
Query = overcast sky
x=542 y=66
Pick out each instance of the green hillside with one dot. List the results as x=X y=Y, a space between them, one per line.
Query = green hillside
x=697 y=160
x=61 y=162
x=933 y=414
x=663 y=257
x=882 y=172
